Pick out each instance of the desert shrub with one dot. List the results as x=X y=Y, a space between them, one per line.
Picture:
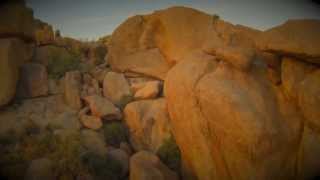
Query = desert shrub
x=169 y=153
x=66 y=155
x=100 y=52
x=115 y=133
x=64 y=152
x=102 y=167
x=7 y=139
x=62 y=61
x=216 y=16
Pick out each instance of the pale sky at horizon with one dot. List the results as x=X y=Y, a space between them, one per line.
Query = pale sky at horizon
x=95 y=18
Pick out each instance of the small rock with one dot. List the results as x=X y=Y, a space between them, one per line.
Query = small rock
x=148 y=91
x=103 y=108
x=91 y=122
x=117 y=89
x=40 y=169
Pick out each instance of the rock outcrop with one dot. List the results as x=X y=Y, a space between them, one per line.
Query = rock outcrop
x=241 y=97
x=16 y=36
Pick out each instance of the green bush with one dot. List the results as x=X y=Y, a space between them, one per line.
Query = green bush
x=115 y=133
x=169 y=153
x=62 y=61
x=102 y=167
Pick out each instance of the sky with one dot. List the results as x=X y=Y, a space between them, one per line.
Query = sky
x=91 y=19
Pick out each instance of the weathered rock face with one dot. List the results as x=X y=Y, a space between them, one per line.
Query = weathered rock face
x=231 y=116
x=116 y=88
x=13 y=53
x=145 y=165
x=33 y=81
x=148 y=123
x=297 y=38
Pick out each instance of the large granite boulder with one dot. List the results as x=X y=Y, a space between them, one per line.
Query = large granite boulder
x=151 y=44
x=238 y=121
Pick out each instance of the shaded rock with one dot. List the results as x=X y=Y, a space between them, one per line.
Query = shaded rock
x=72 y=89
x=17 y=21
x=292 y=73
x=145 y=165
x=148 y=123
x=297 y=38
x=93 y=142
x=126 y=147
x=273 y=63
x=146 y=90
x=91 y=122
x=40 y=169
x=33 y=81
x=240 y=58
x=309 y=98
x=13 y=53
x=117 y=89
x=310 y=148
x=123 y=158
x=103 y=108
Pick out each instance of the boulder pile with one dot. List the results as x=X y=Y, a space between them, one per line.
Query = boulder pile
x=176 y=94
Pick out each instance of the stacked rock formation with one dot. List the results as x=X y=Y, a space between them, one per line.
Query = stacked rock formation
x=243 y=103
